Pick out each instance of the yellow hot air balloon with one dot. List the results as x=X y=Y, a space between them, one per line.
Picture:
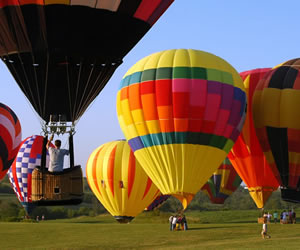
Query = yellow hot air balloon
x=118 y=181
x=181 y=112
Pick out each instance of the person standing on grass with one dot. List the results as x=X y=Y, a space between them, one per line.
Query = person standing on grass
x=171 y=220
x=264 y=232
x=185 y=227
x=269 y=217
x=174 y=221
x=293 y=217
x=275 y=216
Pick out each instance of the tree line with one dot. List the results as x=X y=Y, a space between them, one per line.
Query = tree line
x=11 y=209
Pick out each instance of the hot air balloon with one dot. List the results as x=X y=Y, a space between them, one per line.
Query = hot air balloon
x=62 y=53
x=246 y=155
x=222 y=183
x=181 y=112
x=20 y=174
x=10 y=138
x=159 y=200
x=276 y=116
x=118 y=181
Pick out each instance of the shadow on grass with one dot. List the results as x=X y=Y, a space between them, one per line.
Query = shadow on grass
x=89 y=222
x=205 y=228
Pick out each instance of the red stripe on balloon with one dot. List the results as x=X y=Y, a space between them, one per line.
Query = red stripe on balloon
x=94 y=170
x=4 y=3
x=7 y=139
x=146 y=9
x=148 y=186
x=2 y=174
x=15 y=179
x=131 y=172
x=29 y=187
x=110 y=170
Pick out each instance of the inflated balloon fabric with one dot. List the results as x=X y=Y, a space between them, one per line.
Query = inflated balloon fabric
x=181 y=112
x=222 y=183
x=276 y=116
x=246 y=155
x=157 y=202
x=20 y=173
x=119 y=182
x=63 y=52
x=10 y=138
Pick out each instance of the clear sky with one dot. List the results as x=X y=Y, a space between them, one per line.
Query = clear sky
x=246 y=33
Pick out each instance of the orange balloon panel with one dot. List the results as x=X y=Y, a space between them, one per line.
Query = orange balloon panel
x=247 y=156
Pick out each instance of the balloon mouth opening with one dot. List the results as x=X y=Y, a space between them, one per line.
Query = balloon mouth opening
x=123 y=219
x=184 y=198
x=260 y=195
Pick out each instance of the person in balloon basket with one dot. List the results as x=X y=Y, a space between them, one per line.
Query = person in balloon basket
x=264 y=232
x=57 y=154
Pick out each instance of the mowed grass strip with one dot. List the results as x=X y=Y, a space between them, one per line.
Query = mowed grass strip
x=103 y=233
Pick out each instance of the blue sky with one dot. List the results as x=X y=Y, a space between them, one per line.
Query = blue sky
x=246 y=33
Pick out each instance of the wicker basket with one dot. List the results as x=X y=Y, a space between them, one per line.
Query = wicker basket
x=61 y=188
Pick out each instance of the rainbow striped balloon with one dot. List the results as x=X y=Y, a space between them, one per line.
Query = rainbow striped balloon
x=181 y=112
x=118 y=181
x=222 y=183
x=10 y=138
x=157 y=202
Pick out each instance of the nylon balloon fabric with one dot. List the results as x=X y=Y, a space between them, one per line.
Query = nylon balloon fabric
x=63 y=52
x=10 y=138
x=159 y=200
x=222 y=183
x=276 y=103
x=20 y=173
x=181 y=112
x=118 y=181
x=247 y=156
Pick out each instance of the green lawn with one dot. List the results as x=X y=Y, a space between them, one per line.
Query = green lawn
x=149 y=232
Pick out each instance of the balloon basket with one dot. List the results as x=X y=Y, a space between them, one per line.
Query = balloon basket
x=57 y=188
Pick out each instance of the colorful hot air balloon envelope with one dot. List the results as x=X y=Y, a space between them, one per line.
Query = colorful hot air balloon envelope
x=73 y=46
x=118 y=181
x=246 y=155
x=276 y=116
x=181 y=112
x=222 y=183
x=20 y=173
x=10 y=138
x=159 y=200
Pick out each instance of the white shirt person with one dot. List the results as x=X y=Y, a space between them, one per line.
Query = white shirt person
x=57 y=154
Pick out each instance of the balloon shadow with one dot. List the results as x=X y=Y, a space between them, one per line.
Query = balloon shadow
x=204 y=228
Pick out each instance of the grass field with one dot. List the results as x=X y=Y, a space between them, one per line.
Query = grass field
x=207 y=230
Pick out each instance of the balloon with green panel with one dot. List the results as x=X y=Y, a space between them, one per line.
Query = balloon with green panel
x=222 y=183
x=181 y=111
